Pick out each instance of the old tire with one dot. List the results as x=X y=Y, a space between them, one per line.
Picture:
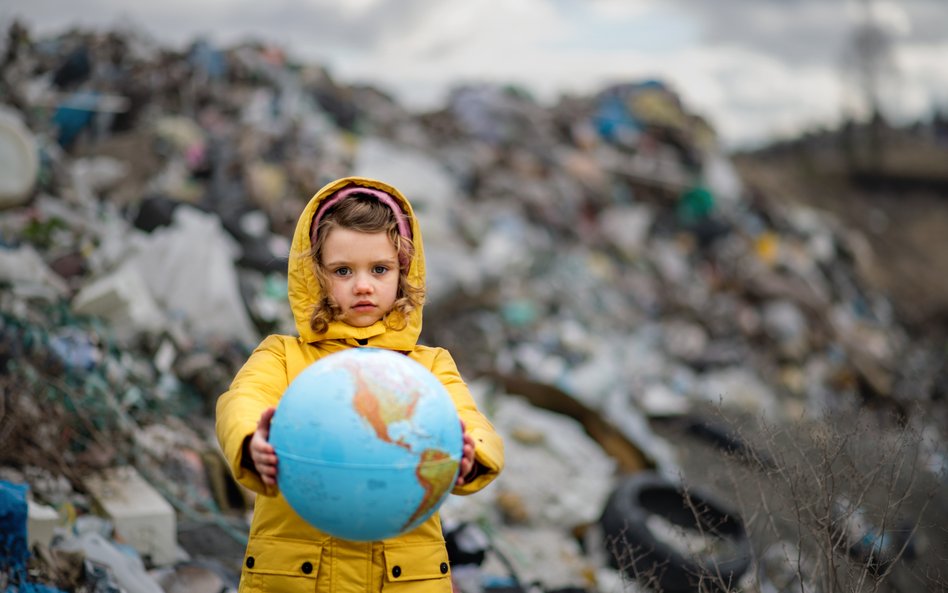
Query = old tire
x=644 y=501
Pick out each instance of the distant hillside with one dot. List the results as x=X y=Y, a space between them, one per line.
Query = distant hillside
x=891 y=186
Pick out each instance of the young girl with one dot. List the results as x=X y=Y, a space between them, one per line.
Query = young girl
x=356 y=278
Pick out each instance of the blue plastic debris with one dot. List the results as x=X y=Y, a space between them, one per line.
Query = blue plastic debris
x=75 y=349
x=74 y=115
x=14 y=551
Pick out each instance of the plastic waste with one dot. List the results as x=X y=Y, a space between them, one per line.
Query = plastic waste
x=14 y=551
x=867 y=543
x=108 y=562
x=19 y=160
x=13 y=514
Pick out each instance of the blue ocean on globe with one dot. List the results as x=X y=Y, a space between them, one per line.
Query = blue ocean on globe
x=368 y=444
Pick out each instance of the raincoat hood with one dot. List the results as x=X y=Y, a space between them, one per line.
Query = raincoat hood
x=305 y=291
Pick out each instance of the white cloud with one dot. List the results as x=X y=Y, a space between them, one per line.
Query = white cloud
x=892 y=17
x=923 y=76
x=454 y=25
x=749 y=97
x=620 y=9
x=350 y=8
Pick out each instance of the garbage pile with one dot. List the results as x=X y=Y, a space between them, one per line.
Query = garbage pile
x=591 y=264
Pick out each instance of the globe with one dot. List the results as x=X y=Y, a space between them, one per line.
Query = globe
x=368 y=444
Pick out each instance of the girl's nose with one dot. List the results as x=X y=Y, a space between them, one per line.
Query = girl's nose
x=363 y=284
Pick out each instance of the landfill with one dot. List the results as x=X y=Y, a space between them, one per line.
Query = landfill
x=612 y=292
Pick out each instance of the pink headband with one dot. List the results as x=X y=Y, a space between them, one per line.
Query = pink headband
x=400 y=218
x=383 y=197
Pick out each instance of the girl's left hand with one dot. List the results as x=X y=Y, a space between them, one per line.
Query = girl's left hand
x=467 y=459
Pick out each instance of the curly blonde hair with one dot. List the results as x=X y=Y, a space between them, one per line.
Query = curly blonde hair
x=366 y=214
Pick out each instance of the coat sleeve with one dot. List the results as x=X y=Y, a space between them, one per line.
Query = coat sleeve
x=258 y=385
x=488 y=445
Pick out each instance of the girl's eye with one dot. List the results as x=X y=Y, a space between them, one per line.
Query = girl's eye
x=342 y=272
x=379 y=269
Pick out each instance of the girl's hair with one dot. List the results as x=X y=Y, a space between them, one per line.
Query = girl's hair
x=366 y=214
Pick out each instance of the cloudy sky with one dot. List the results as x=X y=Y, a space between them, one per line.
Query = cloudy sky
x=758 y=69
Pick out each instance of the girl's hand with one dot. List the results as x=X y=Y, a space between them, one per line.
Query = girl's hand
x=467 y=460
x=261 y=451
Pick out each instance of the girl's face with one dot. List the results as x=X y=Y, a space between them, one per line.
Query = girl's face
x=363 y=274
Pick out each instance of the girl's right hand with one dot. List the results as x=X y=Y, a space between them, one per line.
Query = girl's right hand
x=261 y=451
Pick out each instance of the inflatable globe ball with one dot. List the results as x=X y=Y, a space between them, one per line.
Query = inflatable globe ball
x=368 y=444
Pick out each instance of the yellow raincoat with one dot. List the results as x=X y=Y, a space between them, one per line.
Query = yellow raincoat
x=285 y=554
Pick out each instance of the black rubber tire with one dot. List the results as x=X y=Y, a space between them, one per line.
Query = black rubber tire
x=634 y=549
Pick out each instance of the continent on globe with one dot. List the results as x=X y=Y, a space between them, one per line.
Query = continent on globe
x=380 y=406
x=436 y=477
